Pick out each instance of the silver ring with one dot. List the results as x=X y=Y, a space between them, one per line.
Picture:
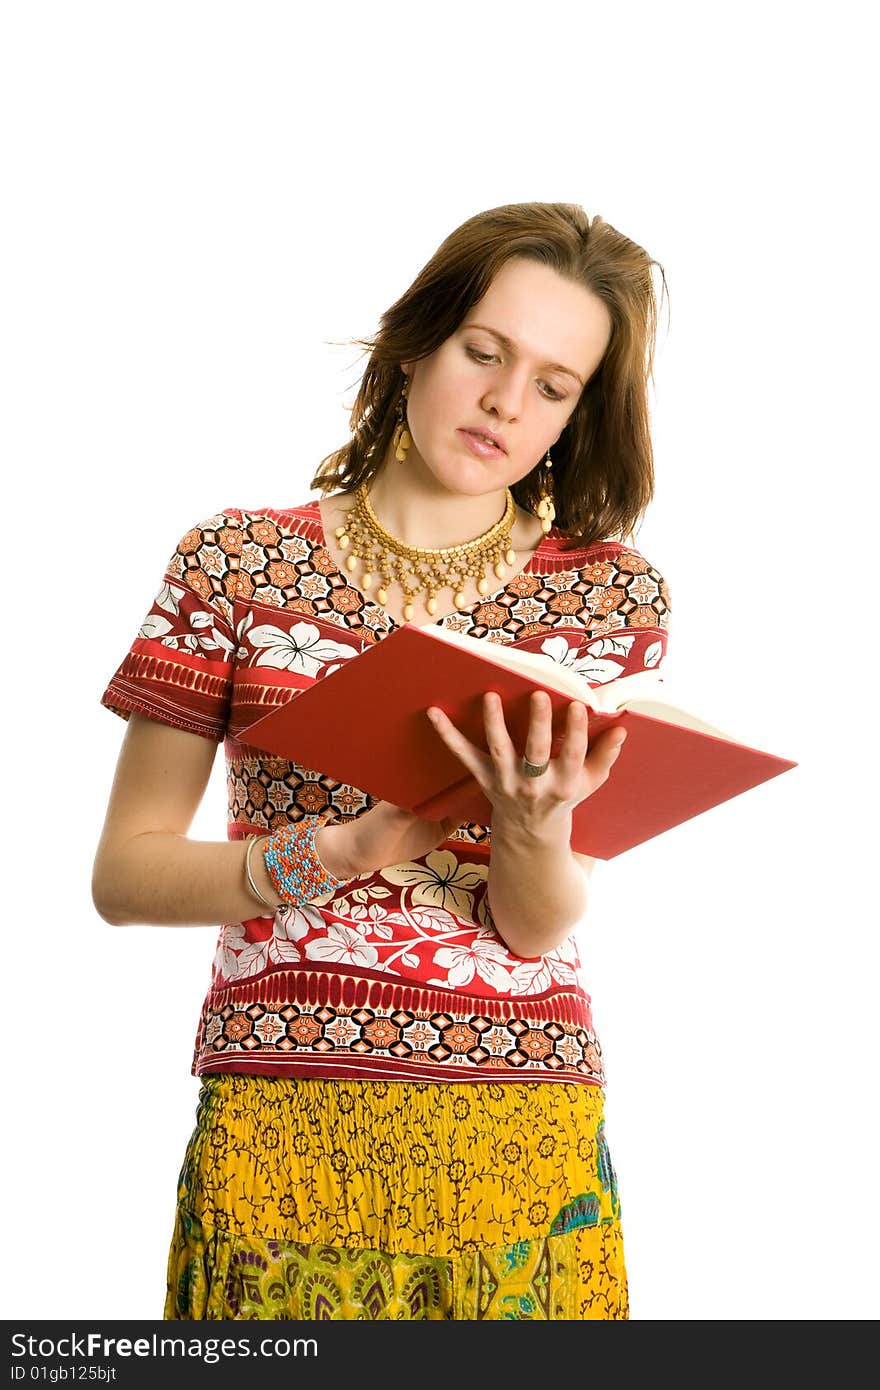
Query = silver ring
x=534 y=769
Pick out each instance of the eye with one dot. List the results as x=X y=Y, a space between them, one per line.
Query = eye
x=484 y=357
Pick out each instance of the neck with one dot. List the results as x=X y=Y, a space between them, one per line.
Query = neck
x=420 y=512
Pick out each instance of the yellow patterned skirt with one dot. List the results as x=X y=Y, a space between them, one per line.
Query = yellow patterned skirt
x=318 y=1198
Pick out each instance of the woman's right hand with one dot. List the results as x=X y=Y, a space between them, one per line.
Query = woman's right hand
x=384 y=835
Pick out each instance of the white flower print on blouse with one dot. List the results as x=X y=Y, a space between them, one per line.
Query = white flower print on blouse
x=205 y=640
x=441 y=881
x=239 y=959
x=450 y=930
x=598 y=665
x=302 y=649
x=343 y=944
x=535 y=976
x=483 y=955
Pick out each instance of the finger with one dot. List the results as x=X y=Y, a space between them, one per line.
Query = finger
x=539 y=738
x=498 y=740
x=573 y=752
x=605 y=751
x=473 y=758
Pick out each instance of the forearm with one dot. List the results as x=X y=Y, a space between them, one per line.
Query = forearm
x=537 y=890
x=161 y=879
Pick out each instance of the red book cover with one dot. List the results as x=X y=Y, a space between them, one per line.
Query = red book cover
x=365 y=724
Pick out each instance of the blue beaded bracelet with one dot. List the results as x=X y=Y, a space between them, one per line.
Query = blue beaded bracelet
x=295 y=869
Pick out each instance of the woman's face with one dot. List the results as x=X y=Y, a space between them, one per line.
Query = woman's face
x=518 y=390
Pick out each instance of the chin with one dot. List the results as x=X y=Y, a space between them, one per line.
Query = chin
x=470 y=481
x=475 y=489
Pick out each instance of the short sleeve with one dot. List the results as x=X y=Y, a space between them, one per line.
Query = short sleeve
x=179 y=667
x=631 y=599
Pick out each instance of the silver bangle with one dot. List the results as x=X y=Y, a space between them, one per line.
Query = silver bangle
x=252 y=839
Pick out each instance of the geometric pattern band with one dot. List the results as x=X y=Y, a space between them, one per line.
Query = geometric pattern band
x=303 y=1038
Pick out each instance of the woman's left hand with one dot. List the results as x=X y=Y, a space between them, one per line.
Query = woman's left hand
x=534 y=803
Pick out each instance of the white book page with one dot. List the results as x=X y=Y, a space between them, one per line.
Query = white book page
x=646 y=692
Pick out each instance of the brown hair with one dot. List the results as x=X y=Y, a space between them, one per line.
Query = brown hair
x=603 y=466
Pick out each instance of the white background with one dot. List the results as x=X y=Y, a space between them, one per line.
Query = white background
x=201 y=202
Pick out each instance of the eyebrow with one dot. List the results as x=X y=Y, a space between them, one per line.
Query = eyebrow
x=510 y=345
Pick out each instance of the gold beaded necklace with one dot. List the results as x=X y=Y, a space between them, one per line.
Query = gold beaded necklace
x=417 y=570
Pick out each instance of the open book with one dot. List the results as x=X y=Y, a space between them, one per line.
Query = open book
x=644 y=691
x=365 y=724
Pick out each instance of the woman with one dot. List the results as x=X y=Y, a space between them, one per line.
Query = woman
x=402 y=1090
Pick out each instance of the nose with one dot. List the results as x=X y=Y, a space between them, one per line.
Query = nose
x=506 y=393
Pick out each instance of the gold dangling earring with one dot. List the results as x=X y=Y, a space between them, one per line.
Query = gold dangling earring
x=402 y=436
x=545 y=508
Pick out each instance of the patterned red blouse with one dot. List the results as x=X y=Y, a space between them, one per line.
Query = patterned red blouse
x=401 y=974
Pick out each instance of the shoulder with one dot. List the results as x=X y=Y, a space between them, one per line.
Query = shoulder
x=602 y=559
x=248 y=553
x=618 y=585
x=229 y=529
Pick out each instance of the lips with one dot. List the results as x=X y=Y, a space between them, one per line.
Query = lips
x=489 y=435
